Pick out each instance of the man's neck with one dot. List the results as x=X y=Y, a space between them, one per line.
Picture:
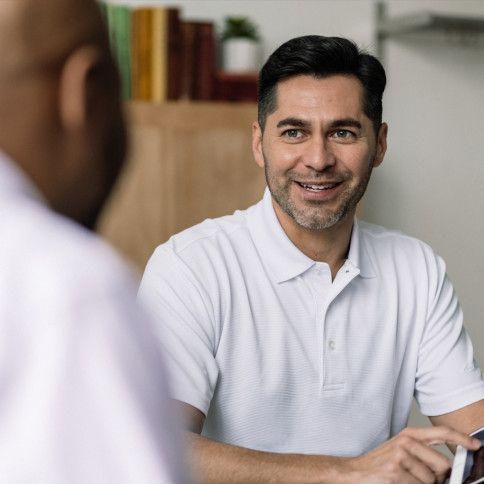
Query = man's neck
x=329 y=245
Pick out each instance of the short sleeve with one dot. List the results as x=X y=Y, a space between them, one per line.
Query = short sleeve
x=448 y=377
x=184 y=314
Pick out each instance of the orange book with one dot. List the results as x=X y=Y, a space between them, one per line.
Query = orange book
x=141 y=54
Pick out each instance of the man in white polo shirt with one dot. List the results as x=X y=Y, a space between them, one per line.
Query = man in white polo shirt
x=298 y=336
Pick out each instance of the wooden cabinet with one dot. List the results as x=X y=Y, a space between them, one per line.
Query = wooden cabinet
x=187 y=162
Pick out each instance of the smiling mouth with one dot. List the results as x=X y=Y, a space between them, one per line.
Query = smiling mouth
x=318 y=187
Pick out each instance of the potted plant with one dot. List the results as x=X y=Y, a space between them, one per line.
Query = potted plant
x=240 y=45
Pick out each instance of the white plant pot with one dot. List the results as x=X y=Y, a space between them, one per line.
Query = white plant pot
x=240 y=55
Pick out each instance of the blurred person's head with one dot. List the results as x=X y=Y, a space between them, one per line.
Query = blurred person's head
x=321 y=57
x=60 y=113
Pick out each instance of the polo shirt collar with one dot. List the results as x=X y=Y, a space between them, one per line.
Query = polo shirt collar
x=282 y=258
x=358 y=257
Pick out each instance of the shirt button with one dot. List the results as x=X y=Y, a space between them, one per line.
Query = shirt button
x=331 y=344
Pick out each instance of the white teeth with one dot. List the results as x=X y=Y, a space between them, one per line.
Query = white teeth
x=318 y=187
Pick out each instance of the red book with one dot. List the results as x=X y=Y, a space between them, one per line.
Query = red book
x=205 y=55
x=175 y=53
x=188 y=46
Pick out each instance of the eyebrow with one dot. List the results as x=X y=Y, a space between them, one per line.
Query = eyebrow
x=337 y=123
x=350 y=122
x=297 y=122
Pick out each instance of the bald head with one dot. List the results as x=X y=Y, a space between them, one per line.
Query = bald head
x=40 y=34
x=60 y=115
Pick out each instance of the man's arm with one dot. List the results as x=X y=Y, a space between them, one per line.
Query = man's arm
x=466 y=419
x=406 y=459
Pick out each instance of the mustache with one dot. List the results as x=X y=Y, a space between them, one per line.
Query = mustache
x=312 y=175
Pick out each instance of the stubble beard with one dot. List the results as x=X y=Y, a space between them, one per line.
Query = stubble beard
x=314 y=215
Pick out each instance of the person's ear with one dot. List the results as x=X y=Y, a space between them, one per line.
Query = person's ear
x=74 y=86
x=381 y=144
x=257 y=144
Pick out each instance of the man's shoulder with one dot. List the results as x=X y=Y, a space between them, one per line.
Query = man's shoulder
x=211 y=233
x=43 y=242
x=208 y=251
x=391 y=246
x=62 y=273
x=378 y=234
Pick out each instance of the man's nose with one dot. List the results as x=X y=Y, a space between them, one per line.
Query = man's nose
x=318 y=154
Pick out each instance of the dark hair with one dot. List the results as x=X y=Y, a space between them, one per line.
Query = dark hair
x=320 y=56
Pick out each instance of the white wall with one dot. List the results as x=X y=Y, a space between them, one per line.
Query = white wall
x=431 y=184
x=432 y=180
x=280 y=20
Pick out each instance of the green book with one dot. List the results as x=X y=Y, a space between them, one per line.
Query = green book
x=104 y=10
x=119 y=27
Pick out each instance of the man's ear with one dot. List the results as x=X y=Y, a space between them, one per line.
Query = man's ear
x=74 y=95
x=257 y=144
x=381 y=144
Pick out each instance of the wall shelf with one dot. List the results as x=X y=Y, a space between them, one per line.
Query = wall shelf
x=429 y=22
x=455 y=26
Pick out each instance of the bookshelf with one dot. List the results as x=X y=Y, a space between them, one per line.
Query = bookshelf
x=236 y=87
x=162 y=57
x=188 y=161
x=190 y=150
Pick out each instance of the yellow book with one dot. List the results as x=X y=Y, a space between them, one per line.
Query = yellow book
x=159 y=54
x=141 y=54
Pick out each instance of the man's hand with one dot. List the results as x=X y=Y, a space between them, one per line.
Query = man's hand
x=408 y=458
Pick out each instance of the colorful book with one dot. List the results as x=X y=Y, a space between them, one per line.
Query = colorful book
x=141 y=54
x=175 y=50
x=205 y=61
x=188 y=70
x=160 y=29
x=159 y=55
x=119 y=27
x=198 y=70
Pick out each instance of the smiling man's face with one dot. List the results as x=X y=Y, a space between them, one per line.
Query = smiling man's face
x=318 y=149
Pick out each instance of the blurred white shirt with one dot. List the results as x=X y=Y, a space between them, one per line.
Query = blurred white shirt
x=83 y=391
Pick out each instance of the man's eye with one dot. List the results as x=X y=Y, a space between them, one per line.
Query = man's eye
x=292 y=133
x=343 y=134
